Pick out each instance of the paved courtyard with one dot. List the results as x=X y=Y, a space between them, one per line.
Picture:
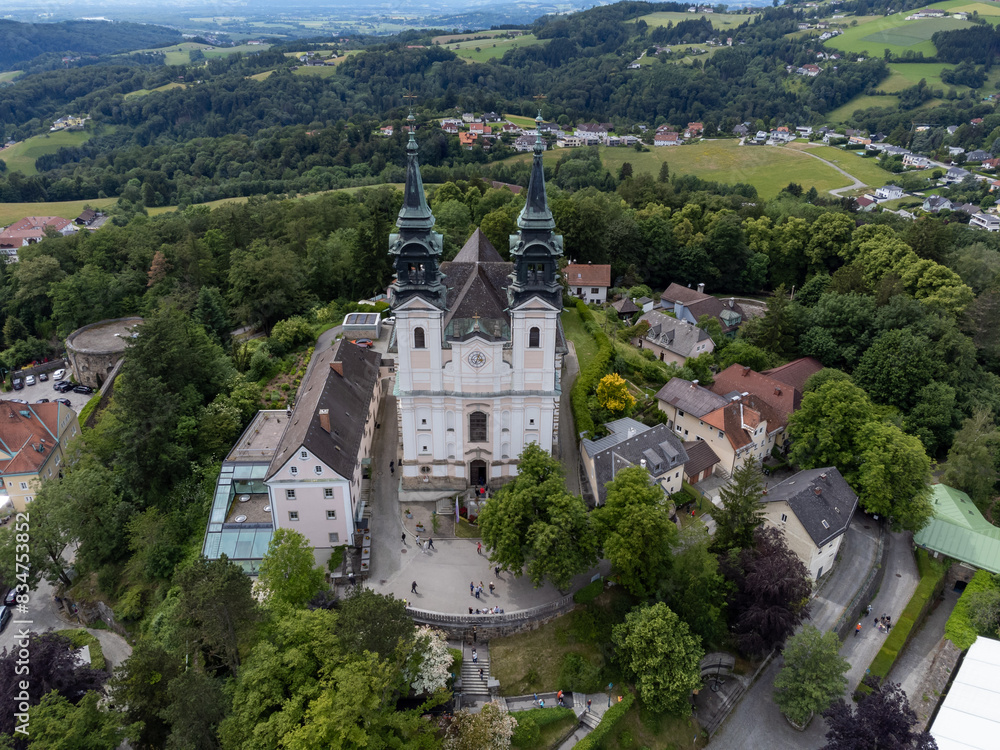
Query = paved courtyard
x=444 y=573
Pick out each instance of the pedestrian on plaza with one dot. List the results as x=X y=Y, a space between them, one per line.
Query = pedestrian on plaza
x=478 y=591
x=482 y=674
x=392 y=467
x=472 y=588
x=541 y=703
x=475 y=657
x=413 y=587
x=536 y=699
x=418 y=540
x=430 y=543
x=479 y=547
x=351 y=579
x=481 y=586
x=403 y=538
x=875 y=623
x=496 y=571
x=492 y=588
x=869 y=610
x=857 y=630
x=470 y=610
x=588 y=705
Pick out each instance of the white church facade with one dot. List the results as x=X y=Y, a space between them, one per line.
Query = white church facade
x=479 y=343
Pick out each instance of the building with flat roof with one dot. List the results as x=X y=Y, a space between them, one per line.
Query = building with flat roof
x=968 y=719
x=240 y=523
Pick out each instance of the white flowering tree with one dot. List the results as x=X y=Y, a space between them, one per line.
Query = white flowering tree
x=490 y=729
x=429 y=665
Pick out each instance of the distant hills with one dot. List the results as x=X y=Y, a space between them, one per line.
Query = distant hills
x=21 y=42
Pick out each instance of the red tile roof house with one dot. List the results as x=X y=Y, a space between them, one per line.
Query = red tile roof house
x=30 y=230
x=33 y=439
x=588 y=282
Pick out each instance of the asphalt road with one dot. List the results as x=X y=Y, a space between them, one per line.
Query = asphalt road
x=31 y=394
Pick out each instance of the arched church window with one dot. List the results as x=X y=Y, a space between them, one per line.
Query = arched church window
x=418 y=338
x=534 y=336
x=477 y=427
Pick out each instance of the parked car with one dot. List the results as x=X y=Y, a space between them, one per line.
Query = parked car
x=42 y=401
x=390 y=321
x=62 y=386
x=363 y=343
x=17 y=400
x=11 y=599
x=83 y=389
x=30 y=380
x=5 y=616
x=42 y=377
x=58 y=374
x=63 y=401
x=18 y=384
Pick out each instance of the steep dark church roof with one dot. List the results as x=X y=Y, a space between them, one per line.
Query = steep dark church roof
x=478 y=250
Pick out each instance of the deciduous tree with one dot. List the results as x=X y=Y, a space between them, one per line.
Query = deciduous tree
x=694 y=588
x=490 y=729
x=894 y=475
x=374 y=622
x=613 y=394
x=534 y=522
x=771 y=592
x=656 y=649
x=882 y=719
x=635 y=532
x=971 y=465
x=288 y=571
x=813 y=675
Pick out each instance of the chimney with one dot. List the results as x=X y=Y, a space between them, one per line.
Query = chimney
x=324 y=419
x=777 y=391
x=764 y=491
x=823 y=476
x=631 y=432
x=642 y=463
x=338 y=367
x=746 y=371
x=701 y=288
x=694 y=383
x=818 y=491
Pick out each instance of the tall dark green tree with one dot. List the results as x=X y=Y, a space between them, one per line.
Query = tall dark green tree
x=741 y=512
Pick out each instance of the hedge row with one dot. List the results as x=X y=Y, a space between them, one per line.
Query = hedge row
x=608 y=723
x=931 y=579
x=590 y=372
x=959 y=629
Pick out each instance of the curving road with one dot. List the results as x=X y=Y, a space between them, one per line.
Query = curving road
x=836 y=191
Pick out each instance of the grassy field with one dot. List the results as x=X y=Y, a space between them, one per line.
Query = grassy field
x=488 y=49
x=179 y=54
x=865 y=169
x=9 y=75
x=21 y=158
x=586 y=346
x=11 y=212
x=451 y=38
x=894 y=33
x=719 y=20
x=964 y=6
x=320 y=71
x=862 y=101
x=524 y=122
x=766 y=168
x=164 y=87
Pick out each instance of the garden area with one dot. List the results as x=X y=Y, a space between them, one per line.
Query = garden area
x=573 y=653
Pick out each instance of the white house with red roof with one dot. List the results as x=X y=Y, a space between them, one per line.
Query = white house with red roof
x=588 y=282
x=33 y=439
x=30 y=230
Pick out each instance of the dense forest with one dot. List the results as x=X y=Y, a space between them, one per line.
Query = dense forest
x=22 y=42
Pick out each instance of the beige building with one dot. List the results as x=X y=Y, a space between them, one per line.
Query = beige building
x=33 y=439
x=479 y=343
x=738 y=429
x=813 y=510
x=673 y=340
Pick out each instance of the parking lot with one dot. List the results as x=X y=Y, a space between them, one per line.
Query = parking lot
x=31 y=394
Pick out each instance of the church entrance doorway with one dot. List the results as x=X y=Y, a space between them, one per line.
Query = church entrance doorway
x=477 y=473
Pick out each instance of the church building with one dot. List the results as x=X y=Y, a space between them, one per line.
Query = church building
x=479 y=342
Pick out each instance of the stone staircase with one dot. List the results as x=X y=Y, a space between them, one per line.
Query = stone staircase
x=446 y=507
x=590 y=719
x=474 y=687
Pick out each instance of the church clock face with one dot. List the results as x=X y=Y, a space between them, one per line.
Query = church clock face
x=477 y=359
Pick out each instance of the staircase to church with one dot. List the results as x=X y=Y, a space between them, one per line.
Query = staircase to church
x=473 y=686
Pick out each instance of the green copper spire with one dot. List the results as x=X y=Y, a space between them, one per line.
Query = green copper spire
x=415 y=214
x=536 y=213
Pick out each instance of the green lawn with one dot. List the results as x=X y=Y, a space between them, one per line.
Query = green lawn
x=452 y=38
x=844 y=112
x=180 y=54
x=964 y=6
x=164 y=87
x=719 y=20
x=524 y=122
x=586 y=346
x=865 y=169
x=9 y=75
x=766 y=168
x=894 y=33
x=21 y=157
x=319 y=71
x=490 y=49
